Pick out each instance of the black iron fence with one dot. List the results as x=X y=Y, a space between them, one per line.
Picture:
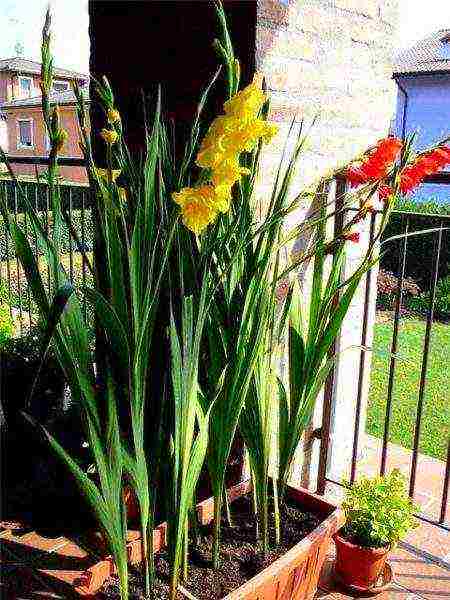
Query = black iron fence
x=76 y=202
x=432 y=268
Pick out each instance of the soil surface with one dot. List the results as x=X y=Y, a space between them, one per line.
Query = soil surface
x=240 y=558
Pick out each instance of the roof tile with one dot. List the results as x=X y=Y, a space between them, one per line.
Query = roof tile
x=430 y=55
x=24 y=65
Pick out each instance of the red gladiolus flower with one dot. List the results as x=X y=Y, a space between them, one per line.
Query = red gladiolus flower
x=351 y=236
x=389 y=148
x=384 y=191
x=425 y=165
x=355 y=176
x=376 y=164
x=375 y=168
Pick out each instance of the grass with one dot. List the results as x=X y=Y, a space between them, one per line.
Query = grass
x=435 y=428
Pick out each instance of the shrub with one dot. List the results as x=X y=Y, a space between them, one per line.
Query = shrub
x=387 y=287
x=420 y=250
x=421 y=303
x=378 y=510
x=6 y=325
x=6 y=321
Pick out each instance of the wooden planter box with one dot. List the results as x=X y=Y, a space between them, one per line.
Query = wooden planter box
x=294 y=576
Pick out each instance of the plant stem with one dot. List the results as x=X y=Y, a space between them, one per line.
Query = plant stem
x=262 y=489
x=216 y=543
x=276 y=512
x=264 y=517
x=255 y=503
x=227 y=509
x=123 y=577
x=194 y=526
x=145 y=559
x=185 y=550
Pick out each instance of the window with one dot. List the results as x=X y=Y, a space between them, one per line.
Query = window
x=445 y=50
x=25 y=133
x=60 y=86
x=25 y=87
x=48 y=145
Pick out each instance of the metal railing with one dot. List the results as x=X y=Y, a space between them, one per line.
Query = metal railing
x=438 y=238
x=76 y=202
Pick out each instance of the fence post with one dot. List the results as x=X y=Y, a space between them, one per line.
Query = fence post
x=328 y=393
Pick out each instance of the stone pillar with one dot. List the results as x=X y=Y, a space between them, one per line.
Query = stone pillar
x=330 y=60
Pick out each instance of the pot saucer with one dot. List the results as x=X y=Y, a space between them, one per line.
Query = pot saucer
x=383 y=582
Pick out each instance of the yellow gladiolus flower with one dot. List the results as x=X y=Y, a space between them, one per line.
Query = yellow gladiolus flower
x=247 y=102
x=270 y=131
x=215 y=145
x=223 y=197
x=113 y=116
x=228 y=172
x=103 y=174
x=197 y=206
x=109 y=136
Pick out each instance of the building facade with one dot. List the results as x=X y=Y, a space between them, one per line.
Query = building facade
x=422 y=74
x=22 y=129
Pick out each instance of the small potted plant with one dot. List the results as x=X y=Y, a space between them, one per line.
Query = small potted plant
x=379 y=514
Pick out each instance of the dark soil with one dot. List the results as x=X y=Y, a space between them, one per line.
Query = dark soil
x=241 y=559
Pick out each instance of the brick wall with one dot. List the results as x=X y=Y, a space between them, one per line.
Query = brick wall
x=71 y=147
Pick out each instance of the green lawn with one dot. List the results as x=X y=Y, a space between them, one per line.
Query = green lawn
x=435 y=428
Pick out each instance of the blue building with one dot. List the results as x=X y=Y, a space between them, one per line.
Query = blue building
x=422 y=74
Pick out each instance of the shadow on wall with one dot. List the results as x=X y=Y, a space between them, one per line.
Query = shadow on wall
x=167 y=43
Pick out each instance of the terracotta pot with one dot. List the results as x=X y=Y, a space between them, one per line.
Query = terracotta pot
x=357 y=567
x=131 y=504
x=294 y=576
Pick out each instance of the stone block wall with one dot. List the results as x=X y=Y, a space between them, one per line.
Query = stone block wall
x=330 y=59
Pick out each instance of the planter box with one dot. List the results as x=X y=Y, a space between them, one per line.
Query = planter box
x=294 y=576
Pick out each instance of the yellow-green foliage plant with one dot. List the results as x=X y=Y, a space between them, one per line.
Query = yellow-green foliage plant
x=6 y=320
x=378 y=511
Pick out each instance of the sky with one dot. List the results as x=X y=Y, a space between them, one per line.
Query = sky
x=418 y=18
x=20 y=23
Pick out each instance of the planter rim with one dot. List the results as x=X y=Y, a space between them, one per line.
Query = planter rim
x=332 y=519
x=369 y=549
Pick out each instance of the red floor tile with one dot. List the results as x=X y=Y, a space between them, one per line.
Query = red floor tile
x=420 y=576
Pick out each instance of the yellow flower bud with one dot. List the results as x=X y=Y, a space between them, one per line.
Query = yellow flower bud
x=60 y=139
x=104 y=174
x=122 y=194
x=109 y=136
x=113 y=116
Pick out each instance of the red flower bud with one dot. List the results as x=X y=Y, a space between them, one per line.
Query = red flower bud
x=351 y=236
